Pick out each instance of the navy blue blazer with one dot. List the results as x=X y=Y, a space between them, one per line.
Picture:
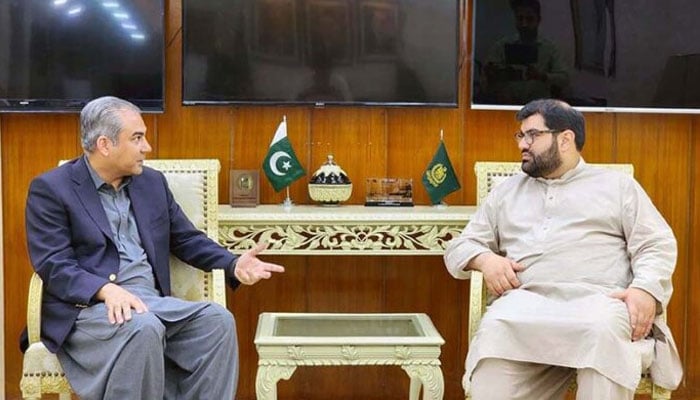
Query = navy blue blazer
x=71 y=246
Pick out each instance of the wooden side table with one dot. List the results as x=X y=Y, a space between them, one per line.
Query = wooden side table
x=287 y=340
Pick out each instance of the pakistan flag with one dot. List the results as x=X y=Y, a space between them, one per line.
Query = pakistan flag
x=439 y=177
x=281 y=165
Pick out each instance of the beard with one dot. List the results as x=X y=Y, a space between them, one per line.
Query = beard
x=543 y=164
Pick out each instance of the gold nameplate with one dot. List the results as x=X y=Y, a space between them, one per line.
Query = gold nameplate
x=244 y=188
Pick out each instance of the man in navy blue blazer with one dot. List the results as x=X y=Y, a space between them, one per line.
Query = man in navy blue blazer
x=100 y=230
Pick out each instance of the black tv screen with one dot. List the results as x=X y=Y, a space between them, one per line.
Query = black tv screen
x=346 y=52
x=599 y=55
x=56 y=55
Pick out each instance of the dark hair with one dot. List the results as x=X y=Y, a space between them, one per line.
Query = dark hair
x=531 y=4
x=557 y=115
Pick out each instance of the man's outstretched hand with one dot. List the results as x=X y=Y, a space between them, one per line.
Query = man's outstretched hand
x=249 y=269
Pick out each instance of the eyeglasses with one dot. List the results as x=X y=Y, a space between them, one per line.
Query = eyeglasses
x=531 y=134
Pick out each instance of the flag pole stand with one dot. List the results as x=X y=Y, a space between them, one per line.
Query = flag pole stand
x=441 y=205
x=287 y=203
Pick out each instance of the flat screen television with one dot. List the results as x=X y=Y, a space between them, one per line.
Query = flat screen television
x=599 y=55
x=56 y=55
x=321 y=52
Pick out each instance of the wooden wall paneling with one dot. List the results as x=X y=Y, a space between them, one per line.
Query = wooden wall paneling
x=467 y=132
x=173 y=22
x=457 y=156
x=31 y=144
x=600 y=138
x=488 y=137
x=254 y=128
x=345 y=284
x=201 y=132
x=660 y=149
x=173 y=56
x=204 y=132
x=282 y=293
x=491 y=135
x=356 y=137
x=414 y=136
x=46 y=138
x=692 y=284
x=171 y=119
x=422 y=284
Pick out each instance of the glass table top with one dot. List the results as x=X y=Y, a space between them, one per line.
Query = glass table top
x=345 y=327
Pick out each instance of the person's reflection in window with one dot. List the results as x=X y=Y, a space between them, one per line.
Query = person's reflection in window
x=381 y=35
x=326 y=83
x=523 y=67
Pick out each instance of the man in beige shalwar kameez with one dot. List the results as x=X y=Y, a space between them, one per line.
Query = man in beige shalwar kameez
x=579 y=263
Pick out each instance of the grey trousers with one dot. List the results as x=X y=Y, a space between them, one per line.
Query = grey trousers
x=498 y=379
x=195 y=357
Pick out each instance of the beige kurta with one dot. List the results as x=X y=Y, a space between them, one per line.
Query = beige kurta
x=592 y=232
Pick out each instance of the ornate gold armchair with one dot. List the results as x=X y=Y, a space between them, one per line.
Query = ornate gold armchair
x=194 y=184
x=489 y=175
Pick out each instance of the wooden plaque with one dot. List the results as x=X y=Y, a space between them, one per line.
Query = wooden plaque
x=244 y=188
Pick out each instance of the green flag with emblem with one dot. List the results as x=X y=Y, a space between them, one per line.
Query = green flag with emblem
x=281 y=165
x=439 y=177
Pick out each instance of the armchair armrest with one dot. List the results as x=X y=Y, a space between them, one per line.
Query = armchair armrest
x=218 y=285
x=34 y=309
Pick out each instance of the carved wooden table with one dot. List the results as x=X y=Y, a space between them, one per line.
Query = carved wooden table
x=287 y=340
x=342 y=230
x=345 y=230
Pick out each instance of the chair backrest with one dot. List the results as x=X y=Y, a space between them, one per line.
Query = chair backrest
x=490 y=174
x=195 y=186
